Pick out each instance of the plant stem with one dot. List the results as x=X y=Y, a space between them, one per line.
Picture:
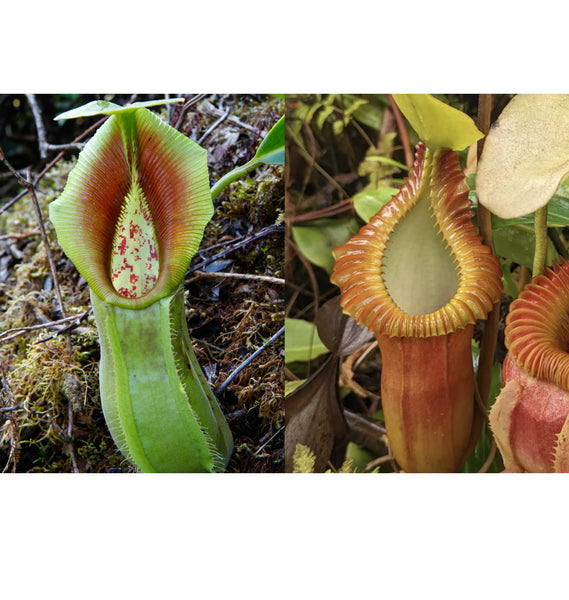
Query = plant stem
x=490 y=333
x=541 y=240
x=231 y=177
x=403 y=134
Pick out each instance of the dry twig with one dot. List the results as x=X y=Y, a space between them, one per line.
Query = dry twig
x=26 y=182
x=201 y=274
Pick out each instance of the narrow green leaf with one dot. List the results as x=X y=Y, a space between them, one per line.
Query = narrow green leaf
x=102 y=107
x=388 y=161
x=436 y=123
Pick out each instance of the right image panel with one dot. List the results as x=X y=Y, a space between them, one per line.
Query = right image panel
x=427 y=286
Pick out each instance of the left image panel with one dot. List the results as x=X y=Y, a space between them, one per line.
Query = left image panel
x=141 y=283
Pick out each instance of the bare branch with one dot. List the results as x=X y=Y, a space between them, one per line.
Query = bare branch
x=62 y=325
x=201 y=274
x=191 y=102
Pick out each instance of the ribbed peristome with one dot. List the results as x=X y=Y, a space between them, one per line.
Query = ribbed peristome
x=436 y=178
x=537 y=327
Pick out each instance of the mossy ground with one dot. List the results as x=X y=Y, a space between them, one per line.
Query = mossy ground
x=51 y=419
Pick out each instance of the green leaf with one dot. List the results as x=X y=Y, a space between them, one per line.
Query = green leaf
x=301 y=341
x=517 y=244
x=368 y=204
x=369 y=113
x=526 y=155
x=510 y=287
x=557 y=209
x=316 y=241
x=436 y=123
x=323 y=115
x=557 y=215
x=271 y=151
x=102 y=107
x=359 y=456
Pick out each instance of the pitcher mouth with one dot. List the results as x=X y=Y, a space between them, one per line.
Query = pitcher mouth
x=134 y=209
x=419 y=268
x=537 y=327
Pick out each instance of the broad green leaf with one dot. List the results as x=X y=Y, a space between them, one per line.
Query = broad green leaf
x=301 y=341
x=436 y=123
x=557 y=215
x=370 y=113
x=360 y=457
x=517 y=244
x=368 y=204
x=510 y=287
x=271 y=151
x=316 y=241
x=526 y=155
x=102 y=107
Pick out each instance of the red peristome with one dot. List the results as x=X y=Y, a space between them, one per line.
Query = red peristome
x=537 y=326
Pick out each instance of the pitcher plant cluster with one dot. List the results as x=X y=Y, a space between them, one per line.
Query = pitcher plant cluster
x=429 y=275
x=420 y=275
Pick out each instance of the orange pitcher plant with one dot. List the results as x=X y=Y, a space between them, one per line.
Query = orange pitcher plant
x=419 y=276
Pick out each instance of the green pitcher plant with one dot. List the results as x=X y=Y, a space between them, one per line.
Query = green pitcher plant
x=418 y=276
x=131 y=217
